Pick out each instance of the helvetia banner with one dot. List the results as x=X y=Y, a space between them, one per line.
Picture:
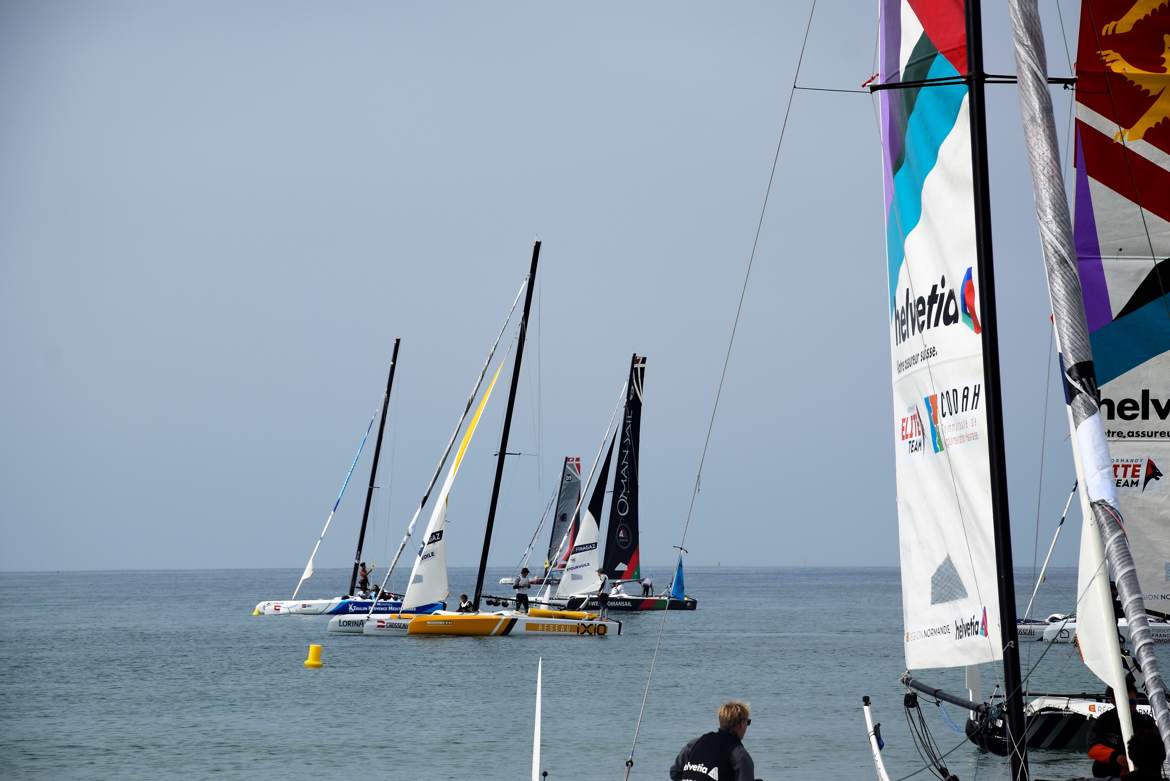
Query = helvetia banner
x=949 y=592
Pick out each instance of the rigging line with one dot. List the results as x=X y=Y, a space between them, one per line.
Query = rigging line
x=1040 y=479
x=723 y=375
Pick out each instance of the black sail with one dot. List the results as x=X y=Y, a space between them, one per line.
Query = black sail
x=621 y=542
x=567 y=500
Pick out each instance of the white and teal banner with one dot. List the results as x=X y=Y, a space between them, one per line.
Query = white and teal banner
x=949 y=589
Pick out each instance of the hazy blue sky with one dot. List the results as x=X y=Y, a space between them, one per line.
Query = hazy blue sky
x=216 y=217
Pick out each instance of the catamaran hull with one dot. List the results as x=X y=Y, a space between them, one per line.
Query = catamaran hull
x=1065 y=631
x=1054 y=723
x=633 y=604
x=319 y=607
x=355 y=623
x=504 y=624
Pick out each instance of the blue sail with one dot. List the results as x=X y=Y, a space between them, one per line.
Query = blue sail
x=677 y=587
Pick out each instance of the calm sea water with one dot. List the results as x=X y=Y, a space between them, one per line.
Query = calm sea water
x=98 y=682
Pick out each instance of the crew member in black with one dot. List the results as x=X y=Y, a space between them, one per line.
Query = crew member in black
x=363 y=577
x=522 y=584
x=1147 y=754
x=1105 y=746
x=718 y=754
x=602 y=594
x=465 y=604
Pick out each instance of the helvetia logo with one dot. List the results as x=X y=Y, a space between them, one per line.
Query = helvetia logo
x=1135 y=472
x=940 y=307
x=972 y=627
x=1145 y=408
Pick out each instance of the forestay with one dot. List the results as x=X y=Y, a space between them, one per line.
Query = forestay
x=1122 y=234
x=949 y=590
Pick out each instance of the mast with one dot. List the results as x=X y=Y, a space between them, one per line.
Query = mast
x=491 y=519
x=1072 y=336
x=1013 y=691
x=357 y=557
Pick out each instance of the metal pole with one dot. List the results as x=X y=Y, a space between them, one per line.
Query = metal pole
x=1013 y=691
x=357 y=557
x=491 y=519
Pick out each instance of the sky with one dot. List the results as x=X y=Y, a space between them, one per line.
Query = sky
x=216 y=218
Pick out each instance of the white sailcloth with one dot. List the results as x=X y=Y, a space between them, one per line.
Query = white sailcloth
x=949 y=584
x=580 y=574
x=428 y=578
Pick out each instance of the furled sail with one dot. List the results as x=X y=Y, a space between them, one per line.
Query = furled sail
x=568 y=497
x=621 y=542
x=949 y=590
x=581 y=572
x=428 y=578
x=1122 y=235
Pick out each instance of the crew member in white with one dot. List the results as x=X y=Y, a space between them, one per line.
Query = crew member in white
x=522 y=584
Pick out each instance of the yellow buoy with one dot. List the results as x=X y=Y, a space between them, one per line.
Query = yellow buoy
x=255 y=611
x=314 y=659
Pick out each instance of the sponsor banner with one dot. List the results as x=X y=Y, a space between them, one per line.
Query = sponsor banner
x=949 y=584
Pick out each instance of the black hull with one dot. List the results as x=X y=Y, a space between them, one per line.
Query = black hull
x=1051 y=730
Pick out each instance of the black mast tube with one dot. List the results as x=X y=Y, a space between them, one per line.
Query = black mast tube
x=491 y=519
x=1013 y=690
x=357 y=557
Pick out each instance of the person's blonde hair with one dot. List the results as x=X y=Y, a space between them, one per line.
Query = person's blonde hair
x=732 y=713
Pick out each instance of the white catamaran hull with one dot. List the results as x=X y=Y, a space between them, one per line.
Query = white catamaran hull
x=1065 y=630
x=320 y=607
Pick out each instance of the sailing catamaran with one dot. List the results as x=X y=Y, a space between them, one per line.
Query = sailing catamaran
x=536 y=622
x=621 y=564
x=955 y=543
x=347 y=603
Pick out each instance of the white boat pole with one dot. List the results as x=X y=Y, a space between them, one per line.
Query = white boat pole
x=308 y=573
x=875 y=741
x=536 y=726
x=1051 y=547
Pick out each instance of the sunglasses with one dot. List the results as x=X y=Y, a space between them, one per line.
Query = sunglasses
x=748 y=722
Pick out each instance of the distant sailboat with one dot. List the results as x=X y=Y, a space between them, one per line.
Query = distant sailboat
x=535 y=623
x=622 y=560
x=346 y=603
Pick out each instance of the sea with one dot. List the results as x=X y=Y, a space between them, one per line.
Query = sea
x=161 y=674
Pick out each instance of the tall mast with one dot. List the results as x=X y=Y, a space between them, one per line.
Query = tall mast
x=357 y=557
x=491 y=519
x=1013 y=691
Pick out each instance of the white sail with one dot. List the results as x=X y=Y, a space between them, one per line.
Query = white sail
x=949 y=583
x=428 y=579
x=580 y=574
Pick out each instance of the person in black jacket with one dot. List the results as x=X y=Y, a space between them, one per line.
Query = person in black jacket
x=1105 y=746
x=718 y=754
x=1147 y=753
